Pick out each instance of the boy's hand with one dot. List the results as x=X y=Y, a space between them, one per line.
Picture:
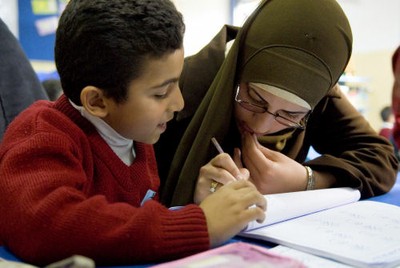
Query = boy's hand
x=231 y=208
x=221 y=169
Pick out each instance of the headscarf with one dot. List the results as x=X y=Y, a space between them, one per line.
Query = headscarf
x=301 y=46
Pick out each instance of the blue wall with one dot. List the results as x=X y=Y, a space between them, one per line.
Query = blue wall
x=36 y=47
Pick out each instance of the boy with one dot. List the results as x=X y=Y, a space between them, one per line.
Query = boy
x=78 y=176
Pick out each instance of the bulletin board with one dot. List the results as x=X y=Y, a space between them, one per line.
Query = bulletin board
x=38 y=20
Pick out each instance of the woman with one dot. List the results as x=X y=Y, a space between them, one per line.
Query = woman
x=273 y=96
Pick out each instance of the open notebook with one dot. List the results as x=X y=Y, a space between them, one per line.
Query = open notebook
x=284 y=206
x=332 y=223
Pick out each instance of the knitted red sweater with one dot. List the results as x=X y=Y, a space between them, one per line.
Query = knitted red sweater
x=63 y=191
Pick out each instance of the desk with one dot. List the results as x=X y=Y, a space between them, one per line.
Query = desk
x=392 y=197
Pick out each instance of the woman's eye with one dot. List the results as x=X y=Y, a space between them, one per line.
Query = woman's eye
x=260 y=102
x=254 y=98
x=290 y=116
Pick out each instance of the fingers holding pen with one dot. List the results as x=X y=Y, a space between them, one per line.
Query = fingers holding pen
x=253 y=201
x=237 y=158
x=219 y=171
x=250 y=196
x=226 y=168
x=237 y=169
x=249 y=202
x=229 y=210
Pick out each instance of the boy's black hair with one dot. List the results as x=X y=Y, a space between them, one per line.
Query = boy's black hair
x=105 y=43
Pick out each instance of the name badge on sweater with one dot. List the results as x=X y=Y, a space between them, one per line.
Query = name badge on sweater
x=149 y=195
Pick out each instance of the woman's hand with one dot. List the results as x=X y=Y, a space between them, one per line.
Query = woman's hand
x=271 y=171
x=221 y=169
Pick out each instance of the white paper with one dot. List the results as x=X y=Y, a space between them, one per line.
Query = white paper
x=284 y=206
x=363 y=234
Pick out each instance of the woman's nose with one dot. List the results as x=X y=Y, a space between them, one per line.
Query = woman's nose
x=263 y=123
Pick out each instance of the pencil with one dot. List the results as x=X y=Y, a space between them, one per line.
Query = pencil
x=216 y=144
x=214 y=184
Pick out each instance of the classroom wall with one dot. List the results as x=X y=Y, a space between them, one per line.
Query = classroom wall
x=203 y=20
x=375 y=24
x=376 y=34
x=38 y=21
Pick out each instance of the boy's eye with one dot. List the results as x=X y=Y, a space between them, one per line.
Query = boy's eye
x=164 y=91
x=161 y=96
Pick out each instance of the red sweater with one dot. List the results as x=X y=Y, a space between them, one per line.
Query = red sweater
x=63 y=191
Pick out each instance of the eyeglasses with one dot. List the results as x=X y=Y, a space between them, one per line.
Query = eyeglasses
x=256 y=108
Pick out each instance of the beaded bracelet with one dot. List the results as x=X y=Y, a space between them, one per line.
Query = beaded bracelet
x=310 y=178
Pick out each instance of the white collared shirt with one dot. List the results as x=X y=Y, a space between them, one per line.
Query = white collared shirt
x=121 y=146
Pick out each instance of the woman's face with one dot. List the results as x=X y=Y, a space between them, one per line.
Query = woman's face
x=264 y=121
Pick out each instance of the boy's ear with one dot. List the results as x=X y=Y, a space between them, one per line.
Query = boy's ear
x=94 y=101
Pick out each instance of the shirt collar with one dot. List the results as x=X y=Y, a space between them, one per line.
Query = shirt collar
x=121 y=146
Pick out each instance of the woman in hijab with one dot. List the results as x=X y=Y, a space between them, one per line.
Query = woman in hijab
x=273 y=97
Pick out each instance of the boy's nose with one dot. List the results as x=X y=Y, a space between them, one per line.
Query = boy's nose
x=178 y=102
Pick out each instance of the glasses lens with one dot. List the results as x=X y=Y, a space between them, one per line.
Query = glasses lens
x=244 y=103
x=250 y=107
x=282 y=119
x=289 y=122
x=286 y=122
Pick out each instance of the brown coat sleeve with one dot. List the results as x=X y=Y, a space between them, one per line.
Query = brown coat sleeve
x=350 y=148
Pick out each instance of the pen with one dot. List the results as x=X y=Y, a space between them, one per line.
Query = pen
x=219 y=149
x=216 y=144
x=214 y=184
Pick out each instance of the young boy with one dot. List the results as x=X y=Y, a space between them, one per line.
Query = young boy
x=78 y=176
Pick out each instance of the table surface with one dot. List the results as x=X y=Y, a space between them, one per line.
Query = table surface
x=392 y=197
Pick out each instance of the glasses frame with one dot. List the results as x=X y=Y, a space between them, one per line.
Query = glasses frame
x=252 y=107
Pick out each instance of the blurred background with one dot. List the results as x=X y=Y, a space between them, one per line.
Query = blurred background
x=367 y=81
